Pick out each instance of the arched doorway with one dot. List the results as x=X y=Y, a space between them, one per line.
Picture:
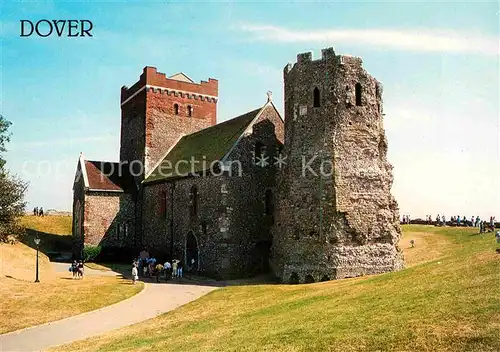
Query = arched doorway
x=191 y=253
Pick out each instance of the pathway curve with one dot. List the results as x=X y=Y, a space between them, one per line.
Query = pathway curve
x=154 y=300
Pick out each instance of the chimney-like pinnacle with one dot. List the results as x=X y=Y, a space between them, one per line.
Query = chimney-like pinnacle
x=269 y=96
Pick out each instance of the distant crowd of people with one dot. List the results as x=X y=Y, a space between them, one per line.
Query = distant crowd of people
x=38 y=211
x=440 y=220
x=147 y=266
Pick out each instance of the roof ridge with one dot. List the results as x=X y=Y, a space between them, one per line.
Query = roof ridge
x=221 y=123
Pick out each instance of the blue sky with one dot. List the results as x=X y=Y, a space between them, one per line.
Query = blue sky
x=438 y=63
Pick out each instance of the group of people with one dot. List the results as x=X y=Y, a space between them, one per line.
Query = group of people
x=38 y=211
x=406 y=219
x=77 y=269
x=149 y=267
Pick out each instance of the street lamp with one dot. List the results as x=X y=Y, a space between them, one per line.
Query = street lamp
x=37 y=242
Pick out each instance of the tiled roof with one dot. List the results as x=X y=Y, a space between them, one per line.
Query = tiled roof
x=106 y=176
x=209 y=145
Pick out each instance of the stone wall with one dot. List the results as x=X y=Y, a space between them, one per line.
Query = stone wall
x=104 y=212
x=231 y=226
x=335 y=215
x=78 y=211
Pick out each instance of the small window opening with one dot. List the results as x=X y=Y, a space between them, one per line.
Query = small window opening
x=190 y=111
x=194 y=200
x=176 y=109
x=358 y=94
x=316 y=97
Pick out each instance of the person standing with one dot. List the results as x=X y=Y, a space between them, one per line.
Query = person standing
x=135 y=274
x=444 y=220
x=174 y=267
x=168 y=270
x=179 y=270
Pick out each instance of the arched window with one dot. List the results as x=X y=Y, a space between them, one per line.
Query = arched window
x=358 y=94
x=193 y=195
x=258 y=152
x=316 y=102
x=190 y=111
x=269 y=202
x=176 y=109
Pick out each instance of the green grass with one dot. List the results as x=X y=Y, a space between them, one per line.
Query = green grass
x=446 y=304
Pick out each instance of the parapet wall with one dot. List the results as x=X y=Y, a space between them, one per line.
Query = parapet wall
x=152 y=79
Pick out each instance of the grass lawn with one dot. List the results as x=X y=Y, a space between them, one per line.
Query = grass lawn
x=54 y=232
x=447 y=299
x=25 y=303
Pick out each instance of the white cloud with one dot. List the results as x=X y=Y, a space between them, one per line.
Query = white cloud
x=412 y=40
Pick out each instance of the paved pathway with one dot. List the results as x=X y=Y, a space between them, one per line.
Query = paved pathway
x=63 y=268
x=155 y=299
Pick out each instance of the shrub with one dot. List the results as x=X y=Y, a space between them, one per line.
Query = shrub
x=91 y=252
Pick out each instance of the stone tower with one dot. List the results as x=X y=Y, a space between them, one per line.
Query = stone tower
x=335 y=215
x=157 y=110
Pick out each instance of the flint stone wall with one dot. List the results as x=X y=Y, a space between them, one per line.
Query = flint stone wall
x=342 y=222
x=231 y=225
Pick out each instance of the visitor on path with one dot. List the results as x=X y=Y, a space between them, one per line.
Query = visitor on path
x=481 y=226
x=438 y=220
x=472 y=221
x=497 y=236
x=478 y=221
x=158 y=271
x=40 y=212
x=35 y=211
x=74 y=269
x=179 y=270
x=444 y=220
x=175 y=263
x=167 y=267
x=135 y=274
x=458 y=220
x=80 y=269
x=492 y=223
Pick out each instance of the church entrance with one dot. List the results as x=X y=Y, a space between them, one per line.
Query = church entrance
x=192 y=263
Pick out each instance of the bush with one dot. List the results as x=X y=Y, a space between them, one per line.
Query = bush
x=91 y=252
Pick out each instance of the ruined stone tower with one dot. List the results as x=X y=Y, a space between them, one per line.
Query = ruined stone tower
x=335 y=215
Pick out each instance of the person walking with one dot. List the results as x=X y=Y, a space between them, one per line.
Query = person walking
x=158 y=271
x=74 y=269
x=80 y=269
x=135 y=274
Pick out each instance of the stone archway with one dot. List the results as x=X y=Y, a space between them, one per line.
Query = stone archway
x=191 y=251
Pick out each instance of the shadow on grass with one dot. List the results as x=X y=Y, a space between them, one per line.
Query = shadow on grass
x=52 y=245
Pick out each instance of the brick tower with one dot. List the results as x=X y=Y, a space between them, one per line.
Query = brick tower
x=335 y=215
x=157 y=110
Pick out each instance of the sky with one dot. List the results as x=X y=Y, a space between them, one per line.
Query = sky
x=438 y=63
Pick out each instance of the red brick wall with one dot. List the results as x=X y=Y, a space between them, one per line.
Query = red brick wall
x=149 y=124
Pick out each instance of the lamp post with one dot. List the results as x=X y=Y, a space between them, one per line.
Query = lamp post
x=37 y=242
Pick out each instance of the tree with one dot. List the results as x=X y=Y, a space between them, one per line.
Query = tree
x=12 y=191
x=4 y=138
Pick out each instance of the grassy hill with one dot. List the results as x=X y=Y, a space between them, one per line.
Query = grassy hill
x=25 y=303
x=446 y=300
x=54 y=232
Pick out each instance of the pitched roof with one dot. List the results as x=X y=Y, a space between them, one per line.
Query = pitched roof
x=205 y=146
x=181 y=77
x=105 y=176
